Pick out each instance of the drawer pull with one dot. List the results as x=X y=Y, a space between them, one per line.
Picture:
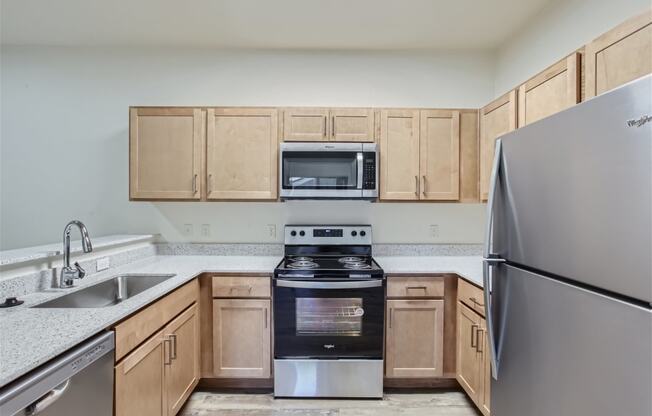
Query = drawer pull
x=474 y=334
x=248 y=288
x=424 y=288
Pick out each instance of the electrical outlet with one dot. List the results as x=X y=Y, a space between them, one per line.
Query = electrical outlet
x=188 y=229
x=271 y=231
x=434 y=230
x=102 y=264
x=205 y=230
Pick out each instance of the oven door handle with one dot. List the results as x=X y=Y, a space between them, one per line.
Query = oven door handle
x=329 y=285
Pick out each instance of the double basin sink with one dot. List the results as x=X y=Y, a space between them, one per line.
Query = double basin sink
x=107 y=293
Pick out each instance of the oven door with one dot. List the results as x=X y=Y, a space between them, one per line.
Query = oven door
x=318 y=170
x=329 y=319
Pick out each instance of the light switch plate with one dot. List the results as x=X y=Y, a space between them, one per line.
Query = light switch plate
x=271 y=231
x=434 y=230
x=205 y=230
x=102 y=264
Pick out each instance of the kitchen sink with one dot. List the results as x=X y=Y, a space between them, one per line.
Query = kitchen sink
x=107 y=293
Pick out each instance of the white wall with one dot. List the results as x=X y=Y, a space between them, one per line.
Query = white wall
x=64 y=139
x=561 y=28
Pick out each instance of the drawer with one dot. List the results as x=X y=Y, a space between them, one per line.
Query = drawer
x=471 y=295
x=415 y=287
x=241 y=287
x=144 y=323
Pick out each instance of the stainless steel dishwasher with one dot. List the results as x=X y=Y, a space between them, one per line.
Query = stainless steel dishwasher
x=78 y=382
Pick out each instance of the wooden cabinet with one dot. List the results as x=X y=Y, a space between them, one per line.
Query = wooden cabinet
x=469 y=360
x=485 y=398
x=241 y=155
x=415 y=334
x=469 y=156
x=241 y=338
x=182 y=369
x=439 y=149
x=165 y=150
x=241 y=287
x=329 y=124
x=496 y=119
x=399 y=155
x=551 y=91
x=620 y=55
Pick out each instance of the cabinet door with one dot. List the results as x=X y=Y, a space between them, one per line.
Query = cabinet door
x=485 y=398
x=496 y=119
x=352 y=124
x=550 y=92
x=306 y=124
x=440 y=155
x=241 y=338
x=415 y=336
x=165 y=153
x=469 y=360
x=399 y=154
x=620 y=55
x=469 y=160
x=242 y=148
x=139 y=380
x=182 y=374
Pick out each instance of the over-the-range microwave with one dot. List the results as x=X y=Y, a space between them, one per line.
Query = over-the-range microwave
x=322 y=170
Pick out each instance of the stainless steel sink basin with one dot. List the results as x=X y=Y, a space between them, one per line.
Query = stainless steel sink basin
x=107 y=293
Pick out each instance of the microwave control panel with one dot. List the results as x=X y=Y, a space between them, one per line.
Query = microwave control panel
x=369 y=171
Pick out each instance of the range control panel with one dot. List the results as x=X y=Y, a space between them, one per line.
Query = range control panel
x=328 y=234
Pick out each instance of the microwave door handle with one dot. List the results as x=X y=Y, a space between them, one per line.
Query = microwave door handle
x=360 y=165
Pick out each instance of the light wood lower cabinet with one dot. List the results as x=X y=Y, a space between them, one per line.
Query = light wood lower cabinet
x=241 y=338
x=157 y=377
x=415 y=334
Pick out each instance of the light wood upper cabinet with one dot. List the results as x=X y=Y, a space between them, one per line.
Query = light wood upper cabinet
x=306 y=124
x=439 y=150
x=140 y=382
x=620 y=55
x=352 y=124
x=469 y=360
x=242 y=153
x=469 y=156
x=496 y=119
x=182 y=372
x=551 y=91
x=165 y=149
x=241 y=338
x=415 y=334
x=399 y=155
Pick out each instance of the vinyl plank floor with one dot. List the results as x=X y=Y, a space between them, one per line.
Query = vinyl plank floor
x=444 y=403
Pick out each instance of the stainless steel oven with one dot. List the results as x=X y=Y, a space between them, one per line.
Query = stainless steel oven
x=328 y=171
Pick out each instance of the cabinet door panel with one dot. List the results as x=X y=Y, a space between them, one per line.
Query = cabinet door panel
x=550 y=92
x=352 y=124
x=139 y=380
x=242 y=148
x=440 y=155
x=399 y=155
x=469 y=372
x=241 y=338
x=415 y=336
x=165 y=153
x=469 y=157
x=620 y=55
x=182 y=374
x=496 y=119
x=306 y=124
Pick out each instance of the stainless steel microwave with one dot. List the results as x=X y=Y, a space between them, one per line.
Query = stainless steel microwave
x=328 y=171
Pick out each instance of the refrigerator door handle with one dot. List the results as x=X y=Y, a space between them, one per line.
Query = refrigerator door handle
x=487 y=267
x=488 y=246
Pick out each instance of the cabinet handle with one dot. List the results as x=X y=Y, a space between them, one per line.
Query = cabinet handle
x=478 y=347
x=265 y=317
x=248 y=288
x=390 y=318
x=474 y=332
x=326 y=135
x=210 y=183
x=333 y=127
x=416 y=184
x=424 y=288
x=167 y=357
x=424 y=185
x=173 y=352
x=194 y=184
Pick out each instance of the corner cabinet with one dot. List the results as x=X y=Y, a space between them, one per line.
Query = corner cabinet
x=620 y=55
x=241 y=155
x=165 y=153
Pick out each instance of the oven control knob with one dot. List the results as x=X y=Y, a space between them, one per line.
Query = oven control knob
x=354 y=233
x=362 y=233
x=302 y=233
x=293 y=233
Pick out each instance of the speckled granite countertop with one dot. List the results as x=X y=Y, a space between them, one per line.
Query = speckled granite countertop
x=30 y=337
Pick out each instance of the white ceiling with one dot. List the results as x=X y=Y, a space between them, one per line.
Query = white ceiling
x=288 y=24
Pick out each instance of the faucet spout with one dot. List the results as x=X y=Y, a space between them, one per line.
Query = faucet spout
x=68 y=273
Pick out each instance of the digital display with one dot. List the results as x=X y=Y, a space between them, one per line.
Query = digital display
x=327 y=232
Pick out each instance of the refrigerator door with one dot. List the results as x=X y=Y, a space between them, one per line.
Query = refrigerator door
x=565 y=351
x=574 y=193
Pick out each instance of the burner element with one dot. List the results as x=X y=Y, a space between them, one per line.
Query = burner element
x=351 y=259
x=357 y=265
x=301 y=258
x=303 y=264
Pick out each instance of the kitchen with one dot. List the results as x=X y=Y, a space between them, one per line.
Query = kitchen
x=399 y=216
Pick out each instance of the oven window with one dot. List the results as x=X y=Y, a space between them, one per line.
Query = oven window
x=320 y=170
x=329 y=316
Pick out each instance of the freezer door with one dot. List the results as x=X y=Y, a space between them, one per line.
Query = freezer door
x=565 y=351
x=574 y=193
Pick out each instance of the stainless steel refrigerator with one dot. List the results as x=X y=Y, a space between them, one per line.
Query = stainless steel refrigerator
x=568 y=261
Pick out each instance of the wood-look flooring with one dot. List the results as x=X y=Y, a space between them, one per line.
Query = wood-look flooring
x=444 y=403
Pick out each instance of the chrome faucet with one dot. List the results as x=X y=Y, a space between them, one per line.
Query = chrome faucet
x=69 y=274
